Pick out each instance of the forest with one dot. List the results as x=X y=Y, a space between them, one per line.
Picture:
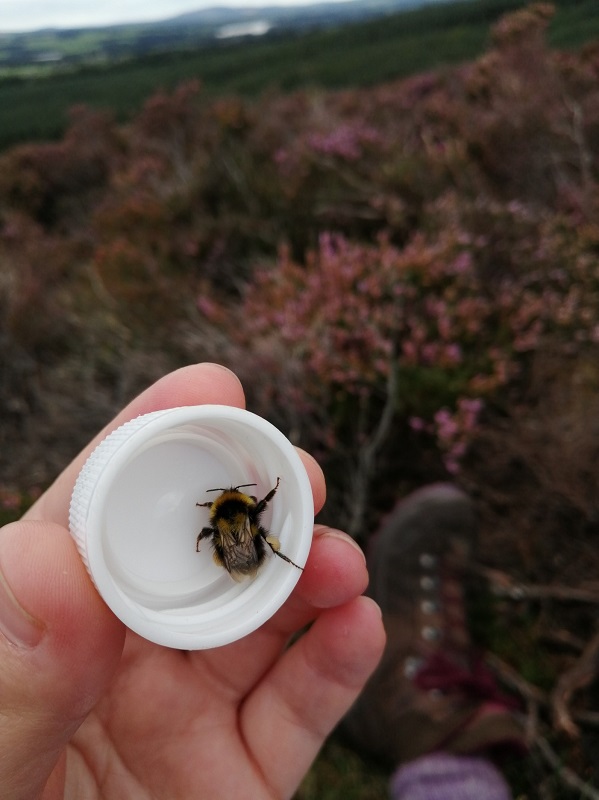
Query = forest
x=405 y=277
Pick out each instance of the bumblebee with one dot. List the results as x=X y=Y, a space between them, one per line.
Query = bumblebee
x=239 y=540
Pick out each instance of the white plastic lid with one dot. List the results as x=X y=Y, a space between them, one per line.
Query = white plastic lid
x=134 y=517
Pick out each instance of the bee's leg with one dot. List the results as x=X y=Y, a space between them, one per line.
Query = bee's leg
x=205 y=505
x=288 y=560
x=275 y=546
x=203 y=534
x=266 y=500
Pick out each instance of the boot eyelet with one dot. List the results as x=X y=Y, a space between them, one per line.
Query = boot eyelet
x=428 y=583
x=411 y=666
x=428 y=561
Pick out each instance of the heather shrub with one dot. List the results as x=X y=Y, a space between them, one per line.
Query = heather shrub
x=400 y=252
x=529 y=113
x=55 y=183
x=431 y=333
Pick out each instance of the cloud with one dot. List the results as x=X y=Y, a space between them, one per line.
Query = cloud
x=21 y=15
x=32 y=14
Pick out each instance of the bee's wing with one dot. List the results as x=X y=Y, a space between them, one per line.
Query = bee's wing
x=238 y=549
x=245 y=533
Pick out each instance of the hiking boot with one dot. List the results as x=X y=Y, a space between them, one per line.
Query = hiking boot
x=430 y=691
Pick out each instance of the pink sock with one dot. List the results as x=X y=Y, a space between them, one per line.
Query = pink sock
x=441 y=776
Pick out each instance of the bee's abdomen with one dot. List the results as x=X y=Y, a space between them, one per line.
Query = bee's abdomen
x=243 y=560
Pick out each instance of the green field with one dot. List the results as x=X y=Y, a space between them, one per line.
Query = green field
x=355 y=55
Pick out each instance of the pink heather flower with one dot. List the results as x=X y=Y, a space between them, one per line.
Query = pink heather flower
x=345 y=141
x=409 y=351
x=430 y=352
x=453 y=353
x=206 y=306
x=444 y=326
x=462 y=264
x=470 y=405
x=447 y=427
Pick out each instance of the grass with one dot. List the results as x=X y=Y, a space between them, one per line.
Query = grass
x=340 y=774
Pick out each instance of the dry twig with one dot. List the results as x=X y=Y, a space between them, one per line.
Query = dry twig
x=367 y=456
x=514 y=680
x=564 y=639
x=583 y=672
x=532 y=695
x=503 y=585
x=564 y=773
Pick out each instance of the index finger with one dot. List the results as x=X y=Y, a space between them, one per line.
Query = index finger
x=197 y=384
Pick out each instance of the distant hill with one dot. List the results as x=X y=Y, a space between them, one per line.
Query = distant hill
x=315 y=15
x=51 y=49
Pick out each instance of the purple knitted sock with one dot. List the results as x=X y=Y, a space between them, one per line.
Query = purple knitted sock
x=441 y=776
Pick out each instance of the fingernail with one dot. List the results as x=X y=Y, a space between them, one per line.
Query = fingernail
x=374 y=604
x=16 y=624
x=219 y=366
x=334 y=533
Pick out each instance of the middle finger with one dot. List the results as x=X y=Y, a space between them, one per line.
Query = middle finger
x=334 y=574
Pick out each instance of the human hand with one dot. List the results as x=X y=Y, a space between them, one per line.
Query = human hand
x=88 y=710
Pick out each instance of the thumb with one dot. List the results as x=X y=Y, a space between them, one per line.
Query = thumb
x=59 y=647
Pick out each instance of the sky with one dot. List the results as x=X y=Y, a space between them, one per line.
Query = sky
x=23 y=15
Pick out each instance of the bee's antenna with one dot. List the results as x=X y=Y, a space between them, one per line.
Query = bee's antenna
x=233 y=488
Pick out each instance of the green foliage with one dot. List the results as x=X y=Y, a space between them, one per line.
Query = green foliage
x=340 y=774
